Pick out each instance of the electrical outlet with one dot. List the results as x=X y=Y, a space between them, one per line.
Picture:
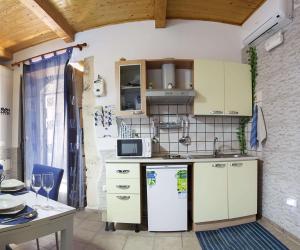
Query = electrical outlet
x=291 y=202
x=104 y=188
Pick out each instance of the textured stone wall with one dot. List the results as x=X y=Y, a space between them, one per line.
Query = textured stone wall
x=279 y=83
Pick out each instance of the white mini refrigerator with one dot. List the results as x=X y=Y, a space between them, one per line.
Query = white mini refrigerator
x=167 y=197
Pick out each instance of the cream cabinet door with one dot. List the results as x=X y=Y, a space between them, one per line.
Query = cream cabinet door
x=210 y=192
x=131 y=88
x=209 y=87
x=242 y=188
x=238 y=90
x=124 y=208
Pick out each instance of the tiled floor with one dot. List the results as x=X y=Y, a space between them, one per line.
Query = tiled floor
x=90 y=235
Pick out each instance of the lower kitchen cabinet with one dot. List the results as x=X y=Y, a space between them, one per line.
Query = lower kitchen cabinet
x=210 y=192
x=224 y=190
x=242 y=189
x=123 y=193
x=124 y=208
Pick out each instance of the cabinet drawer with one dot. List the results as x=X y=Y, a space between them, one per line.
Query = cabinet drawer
x=122 y=186
x=124 y=208
x=122 y=170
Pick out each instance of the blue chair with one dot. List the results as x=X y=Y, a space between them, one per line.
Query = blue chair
x=57 y=174
x=53 y=195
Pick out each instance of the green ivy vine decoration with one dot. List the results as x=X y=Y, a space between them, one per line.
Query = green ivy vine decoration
x=252 y=60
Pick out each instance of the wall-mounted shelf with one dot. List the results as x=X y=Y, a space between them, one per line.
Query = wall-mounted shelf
x=170 y=125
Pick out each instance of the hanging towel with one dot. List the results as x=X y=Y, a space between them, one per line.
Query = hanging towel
x=253 y=136
x=261 y=126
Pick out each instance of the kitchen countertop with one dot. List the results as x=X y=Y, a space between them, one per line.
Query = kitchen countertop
x=164 y=160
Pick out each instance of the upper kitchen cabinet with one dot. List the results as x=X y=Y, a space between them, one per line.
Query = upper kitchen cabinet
x=238 y=90
x=222 y=88
x=209 y=87
x=131 y=88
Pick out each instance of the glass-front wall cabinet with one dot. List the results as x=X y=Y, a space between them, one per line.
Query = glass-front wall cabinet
x=131 y=87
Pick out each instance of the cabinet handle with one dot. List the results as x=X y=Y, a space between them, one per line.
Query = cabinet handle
x=219 y=165
x=126 y=171
x=233 y=112
x=216 y=112
x=123 y=186
x=123 y=197
x=138 y=112
x=237 y=164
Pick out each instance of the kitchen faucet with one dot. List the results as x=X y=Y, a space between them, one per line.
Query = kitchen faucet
x=215 y=151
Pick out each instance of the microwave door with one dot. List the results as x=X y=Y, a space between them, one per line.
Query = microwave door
x=132 y=147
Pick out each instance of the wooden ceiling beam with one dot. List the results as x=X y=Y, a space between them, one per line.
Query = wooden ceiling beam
x=5 y=54
x=51 y=17
x=160 y=13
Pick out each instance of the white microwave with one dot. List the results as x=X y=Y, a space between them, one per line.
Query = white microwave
x=134 y=147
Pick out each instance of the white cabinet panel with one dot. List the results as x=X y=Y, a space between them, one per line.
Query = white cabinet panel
x=122 y=170
x=238 y=90
x=124 y=208
x=222 y=88
x=242 y=188
x=209 y=87
x=210 y=192
x=122 y=186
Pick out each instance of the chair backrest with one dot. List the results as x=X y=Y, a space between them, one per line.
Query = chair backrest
x=57 y=175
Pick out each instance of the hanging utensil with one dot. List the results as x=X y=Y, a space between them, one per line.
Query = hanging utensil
x=155 y=138
x=182 y=139
x=187 y=139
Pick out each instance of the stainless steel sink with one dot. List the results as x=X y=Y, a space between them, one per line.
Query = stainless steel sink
x=230 y=156
x=216 y=157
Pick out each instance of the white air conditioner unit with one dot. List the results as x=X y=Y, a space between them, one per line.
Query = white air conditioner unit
x=269 y=18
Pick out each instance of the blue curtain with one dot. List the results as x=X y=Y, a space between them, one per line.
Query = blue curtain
x=45 y=116
x=76 y=187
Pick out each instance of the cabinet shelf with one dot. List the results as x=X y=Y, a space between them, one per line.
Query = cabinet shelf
x=130 y=87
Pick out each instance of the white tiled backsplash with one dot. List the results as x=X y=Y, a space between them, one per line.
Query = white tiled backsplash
x=203 y=130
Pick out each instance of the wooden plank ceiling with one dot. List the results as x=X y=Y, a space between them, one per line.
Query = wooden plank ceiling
x=24 y=23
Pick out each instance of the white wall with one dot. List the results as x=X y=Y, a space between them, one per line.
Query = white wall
x=140 y=40
x=6 y=92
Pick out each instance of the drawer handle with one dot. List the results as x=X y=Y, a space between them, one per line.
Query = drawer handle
x=237 y=164
x=126 y=171
x=233 y=112
x=123 y=197
x=216 y=112
x=138 y=112
x=123 y=186
x=219 y=165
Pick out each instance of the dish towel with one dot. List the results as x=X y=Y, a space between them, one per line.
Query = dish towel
x=261 y=126
x=258 y=129
x=253 y=136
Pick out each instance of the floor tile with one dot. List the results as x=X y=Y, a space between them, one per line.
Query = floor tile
x=189 y=234
x=167 y=234
x=83 y=235
x=191 y=243
x=167 y=243
x=139 y=242
x=92 y=226
x=108 y=242
x=28 y=246
x=90 y=234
